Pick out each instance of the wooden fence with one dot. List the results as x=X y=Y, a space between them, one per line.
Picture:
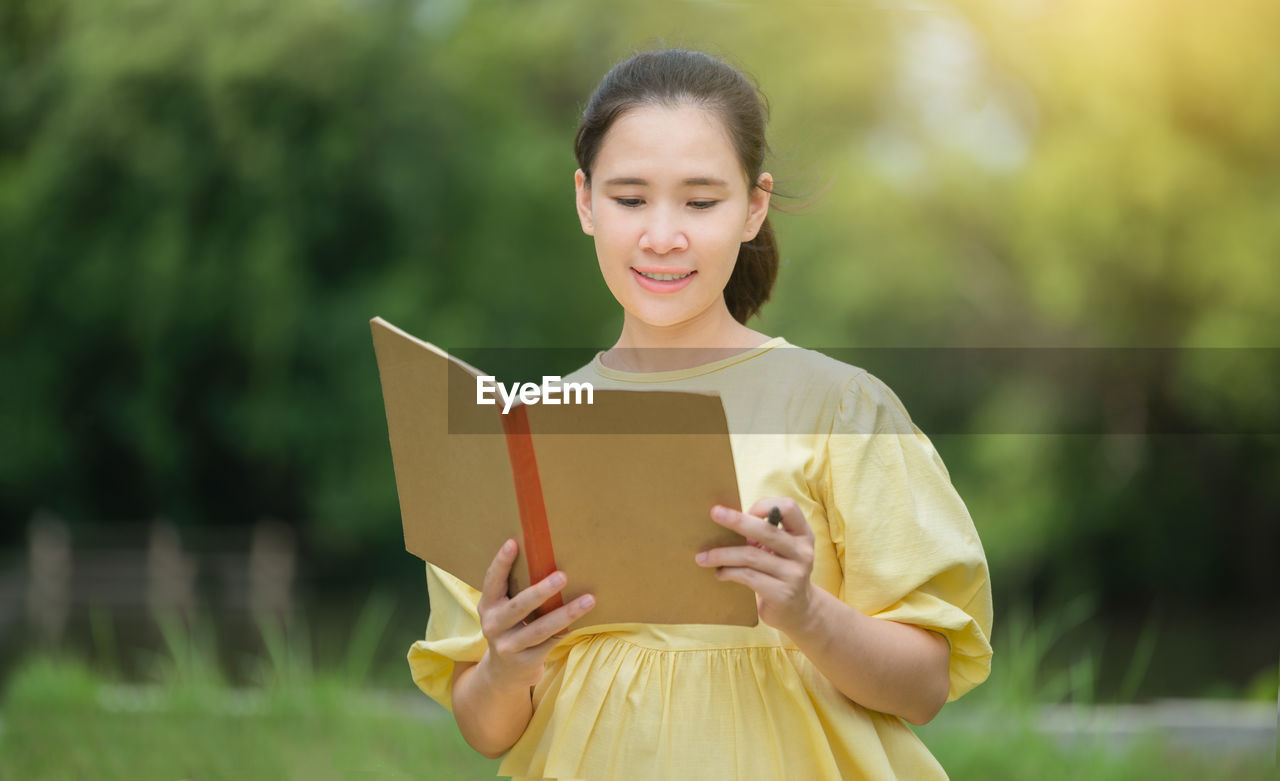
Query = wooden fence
x=149 y=570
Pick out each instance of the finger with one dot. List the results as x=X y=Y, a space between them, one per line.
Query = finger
x=793 y=520
x=516 y=609
x=751 y=558
x=544 y=630
x=494 y=588
x=759 y=530
x=767 y=587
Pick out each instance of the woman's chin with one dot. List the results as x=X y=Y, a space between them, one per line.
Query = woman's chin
x=658 y=318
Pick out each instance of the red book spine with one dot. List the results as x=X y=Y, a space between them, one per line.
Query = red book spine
x=538 y=552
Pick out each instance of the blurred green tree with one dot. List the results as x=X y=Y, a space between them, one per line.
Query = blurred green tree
x=201 y=205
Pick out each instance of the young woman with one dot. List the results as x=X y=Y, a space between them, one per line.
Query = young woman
x=873 y=595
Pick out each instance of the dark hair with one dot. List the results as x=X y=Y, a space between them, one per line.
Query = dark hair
x=674 y=76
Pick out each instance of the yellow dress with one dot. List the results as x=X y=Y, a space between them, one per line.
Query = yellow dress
x=698 y=702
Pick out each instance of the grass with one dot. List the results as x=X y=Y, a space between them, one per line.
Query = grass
x=1020 y=753
x=61 y=719
x=991 y=734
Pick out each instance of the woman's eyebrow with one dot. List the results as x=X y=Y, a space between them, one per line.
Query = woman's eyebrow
x=696 y=180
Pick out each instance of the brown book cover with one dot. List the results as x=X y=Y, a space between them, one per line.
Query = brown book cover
x=616 y=493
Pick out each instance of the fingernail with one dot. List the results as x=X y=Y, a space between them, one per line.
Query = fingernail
x=718 y=513
x=586 y=601
x=509 y=546
x=556 y=579
x=701 y=558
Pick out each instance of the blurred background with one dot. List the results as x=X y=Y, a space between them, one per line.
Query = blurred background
x=202 y=204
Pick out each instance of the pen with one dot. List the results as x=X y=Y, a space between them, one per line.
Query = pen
x=775 y=517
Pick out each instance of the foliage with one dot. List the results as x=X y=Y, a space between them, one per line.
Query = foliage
x=203 y=203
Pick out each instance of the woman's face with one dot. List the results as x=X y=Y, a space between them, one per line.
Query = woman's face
x=669 y=197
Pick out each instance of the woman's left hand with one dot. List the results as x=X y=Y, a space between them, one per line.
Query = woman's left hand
x=775 y=563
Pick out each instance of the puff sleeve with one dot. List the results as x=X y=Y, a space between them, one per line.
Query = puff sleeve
x=453 y=635
x=907 y=546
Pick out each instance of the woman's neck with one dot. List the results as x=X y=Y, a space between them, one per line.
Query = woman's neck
x=648 y=348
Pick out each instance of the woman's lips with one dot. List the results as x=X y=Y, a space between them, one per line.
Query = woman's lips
x=659 y=285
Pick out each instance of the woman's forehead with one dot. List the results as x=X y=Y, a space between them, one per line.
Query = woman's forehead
x=687 y=144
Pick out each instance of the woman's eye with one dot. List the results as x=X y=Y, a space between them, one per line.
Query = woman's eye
x=632 y=202
x=702 y=204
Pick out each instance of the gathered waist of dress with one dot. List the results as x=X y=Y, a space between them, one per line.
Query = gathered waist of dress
x=685 y=637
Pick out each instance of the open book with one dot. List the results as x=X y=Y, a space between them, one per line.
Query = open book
x=616 y=493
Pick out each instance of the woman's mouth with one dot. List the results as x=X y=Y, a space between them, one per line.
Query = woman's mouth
x=663 y=282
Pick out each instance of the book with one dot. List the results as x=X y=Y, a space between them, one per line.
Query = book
x=616 y=493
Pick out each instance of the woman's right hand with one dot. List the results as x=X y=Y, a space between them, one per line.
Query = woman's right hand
x=517 y=649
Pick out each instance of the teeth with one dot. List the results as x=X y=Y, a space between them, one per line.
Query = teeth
x=665 y=277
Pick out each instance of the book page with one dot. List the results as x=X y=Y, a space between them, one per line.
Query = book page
x=457 y=499
x=628 y=508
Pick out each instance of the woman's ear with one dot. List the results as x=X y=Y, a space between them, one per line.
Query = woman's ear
x=583 y=189
x=758 y=205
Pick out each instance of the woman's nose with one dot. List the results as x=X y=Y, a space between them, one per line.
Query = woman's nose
x=663 y=234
